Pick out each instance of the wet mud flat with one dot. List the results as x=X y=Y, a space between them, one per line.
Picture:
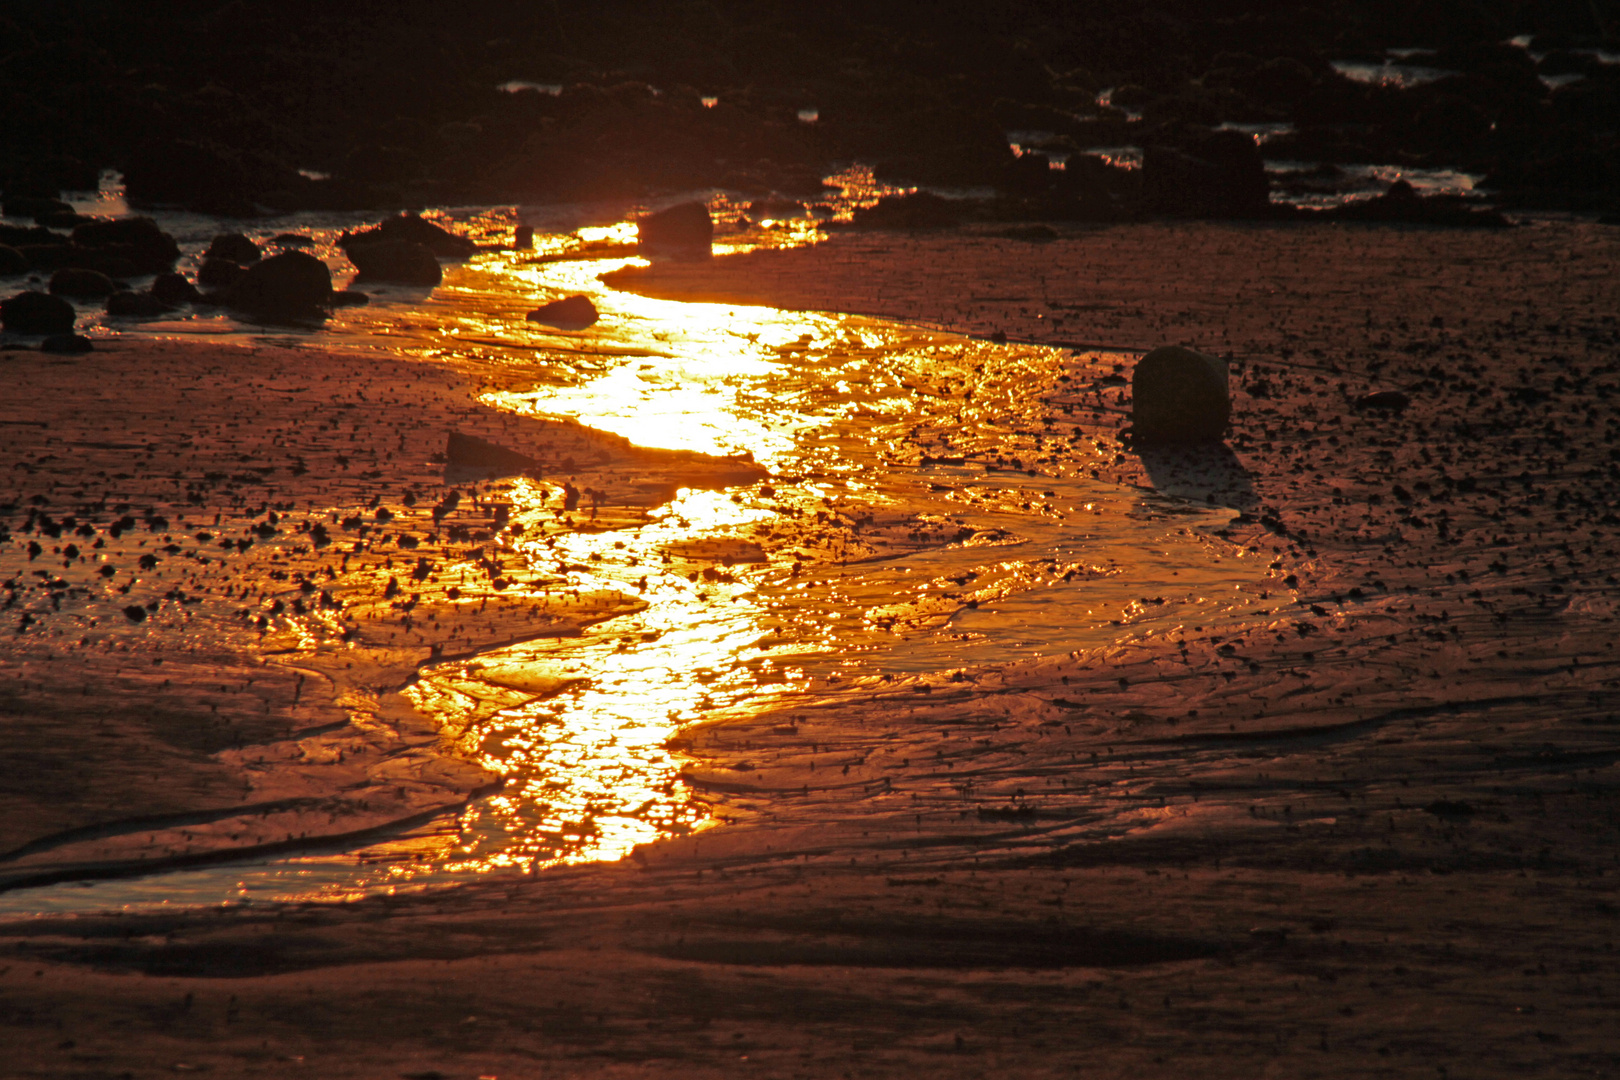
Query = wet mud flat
x=222 y=567
x=1372 y=833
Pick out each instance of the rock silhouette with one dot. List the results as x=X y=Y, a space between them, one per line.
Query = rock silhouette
x=573 y=313
x=36 y=313
x=402 y=262
x=290 y=284
x=684 y=229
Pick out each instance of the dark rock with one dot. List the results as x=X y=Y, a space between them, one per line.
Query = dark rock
x=214 y=179
x=136 y=305
x=350 y=298
x=1383 y=401
x=173 y=289
x=218 y=273
x=523 y=238
x=574 y=313
x=36 y=313
x=67 y=344
x=293 y=240
x=1179 y=396
x=67 y=219
x=293 y=283
x=234 y=247
x=684 y=229
x=411 y=229
x=26 y=206
x=919 y=210
x=18 y=236
x=471 y=452
x=399 y=261
x=1218 y=175
x=51 y=256
x=12 y=261
x=81 y=283
x=135 y=613
x=1402 y=203
x=138 y=239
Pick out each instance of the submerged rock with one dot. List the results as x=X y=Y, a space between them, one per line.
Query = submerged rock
x=74 y=281
x=290 y=284
x=1383 y=401
x=1179 y=396
x=400 y=261
x=574 y=313
x=36 y=313
x=684 y=229
x=471 y=452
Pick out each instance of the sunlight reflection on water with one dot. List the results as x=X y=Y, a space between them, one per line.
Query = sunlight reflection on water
x=926 y=512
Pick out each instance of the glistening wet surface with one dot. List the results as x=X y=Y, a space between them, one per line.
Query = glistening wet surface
x=932 y=506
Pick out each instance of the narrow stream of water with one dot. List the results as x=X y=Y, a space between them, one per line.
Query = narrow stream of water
x=929 y=510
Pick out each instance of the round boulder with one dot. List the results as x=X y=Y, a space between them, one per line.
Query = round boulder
x=215 y=273
x=75 y=281
x=400 y=261
x=12 y=261
x=293 y=283
x=234 y=247
x=1179 y=396
x=173 y=289
x=36 y=313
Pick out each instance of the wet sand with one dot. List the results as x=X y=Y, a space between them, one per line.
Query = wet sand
x=1371 y=834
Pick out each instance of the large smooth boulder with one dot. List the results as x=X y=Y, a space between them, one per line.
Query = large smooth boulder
x=684 y=229
x=36 y=313
x=87 y=284
x=574 y=313
x=290 y=284
x=12 y=261
x=399 y=261
x=234 y=247
x=1179 y=396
